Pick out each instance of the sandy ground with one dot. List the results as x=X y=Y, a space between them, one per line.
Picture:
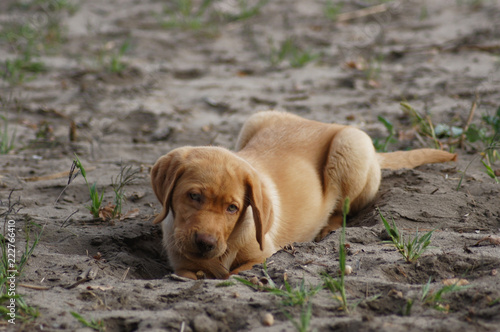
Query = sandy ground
x=196 y=87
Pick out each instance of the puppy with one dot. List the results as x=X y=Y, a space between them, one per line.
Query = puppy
x=227 y=211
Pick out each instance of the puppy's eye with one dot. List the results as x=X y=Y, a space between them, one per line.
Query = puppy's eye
x=195 y=197
x=232 y=209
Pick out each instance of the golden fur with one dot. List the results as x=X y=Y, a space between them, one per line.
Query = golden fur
x=227 y=211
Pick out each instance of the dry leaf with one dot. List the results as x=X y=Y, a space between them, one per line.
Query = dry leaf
x=373 y=84
x=106 y=213
x=358 y=65
x=407 y=135
x=495 y=240
x=130 y=214
x=455 y=281
x=136 y=196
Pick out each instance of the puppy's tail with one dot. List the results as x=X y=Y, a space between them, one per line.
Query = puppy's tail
x=413 y=158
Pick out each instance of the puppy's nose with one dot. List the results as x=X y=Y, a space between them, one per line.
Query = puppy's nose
x=205 y=242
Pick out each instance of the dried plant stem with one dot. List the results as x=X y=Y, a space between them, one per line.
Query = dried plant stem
x=469 y=120
x=362 y=12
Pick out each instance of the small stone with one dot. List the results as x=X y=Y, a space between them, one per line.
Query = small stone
x=254 y=280
x=268 y=319
x=136 y=196
x=396 y=293
x=161 y=134
x=203 y=323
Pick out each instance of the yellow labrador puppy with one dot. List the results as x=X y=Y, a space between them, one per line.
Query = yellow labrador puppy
x=227 y=211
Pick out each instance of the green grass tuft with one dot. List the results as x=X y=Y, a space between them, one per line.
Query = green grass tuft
x=410 y=249
x=435 y=298
x=95 y=198
x=338 y=284
x=382 y=146
x=288 y=50
x=126 y=176
x=93 y=324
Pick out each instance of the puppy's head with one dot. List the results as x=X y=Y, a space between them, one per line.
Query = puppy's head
x=208 y=191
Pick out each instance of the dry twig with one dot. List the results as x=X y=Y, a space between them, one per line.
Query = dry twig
x=495 y=240
x=469 y=120
x=362 y=12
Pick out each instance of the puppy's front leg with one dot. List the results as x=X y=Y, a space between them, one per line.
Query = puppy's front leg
x=244 y=267
x=186 y=274
x=200 y=274
x=335 y=222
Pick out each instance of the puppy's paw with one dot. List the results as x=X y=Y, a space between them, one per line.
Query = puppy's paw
x=323 y=233
x=187 y=274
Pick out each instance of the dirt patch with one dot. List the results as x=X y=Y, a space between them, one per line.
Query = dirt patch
x=126 y=83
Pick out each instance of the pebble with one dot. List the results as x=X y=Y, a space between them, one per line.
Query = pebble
x=268 y=319
x=396 y=294
x=203 y=323
x=254 y=280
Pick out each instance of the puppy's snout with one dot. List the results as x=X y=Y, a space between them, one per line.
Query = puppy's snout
x=205 y=242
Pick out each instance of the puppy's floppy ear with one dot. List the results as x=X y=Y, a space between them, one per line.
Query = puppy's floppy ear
x=262 y=208
x=166 y=171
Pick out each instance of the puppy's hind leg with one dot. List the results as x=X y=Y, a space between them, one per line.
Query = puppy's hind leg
x=351 y=170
